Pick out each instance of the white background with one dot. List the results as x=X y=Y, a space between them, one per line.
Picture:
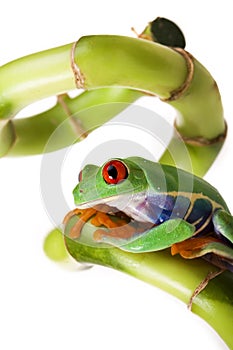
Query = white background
x=43 y=306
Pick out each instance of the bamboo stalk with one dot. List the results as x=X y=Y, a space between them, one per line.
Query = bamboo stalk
x=200 y=121
x=127 y=63
x=172 y=274
x=76 y=117
x=145 y=67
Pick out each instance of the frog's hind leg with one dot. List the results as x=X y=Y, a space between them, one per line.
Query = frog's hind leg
x=218 y=249
x=200 y=247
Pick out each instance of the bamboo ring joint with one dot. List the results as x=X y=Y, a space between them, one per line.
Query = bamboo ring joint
x=79 y=77
x=177 y=93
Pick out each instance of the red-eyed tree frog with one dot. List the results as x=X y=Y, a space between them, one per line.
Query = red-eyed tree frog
x=157 y=206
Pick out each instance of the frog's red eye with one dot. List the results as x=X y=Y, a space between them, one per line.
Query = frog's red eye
x=114 y=172
x=80 y=176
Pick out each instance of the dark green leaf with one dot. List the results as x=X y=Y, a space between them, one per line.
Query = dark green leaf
x=167 y=33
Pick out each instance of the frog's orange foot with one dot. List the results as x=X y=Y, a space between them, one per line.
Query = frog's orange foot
x=119 y=228
x=118 y=225
x=122 y=232
x=188 y=248
x=86 y=214
x=71 y=213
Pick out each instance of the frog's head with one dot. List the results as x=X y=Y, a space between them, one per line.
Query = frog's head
x=115 y=180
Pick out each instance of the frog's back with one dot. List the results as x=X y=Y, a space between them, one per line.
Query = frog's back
x=166 y=178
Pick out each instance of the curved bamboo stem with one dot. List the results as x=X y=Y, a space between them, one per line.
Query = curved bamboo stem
x=120 y=62
x=145 y=67
x=172 y=274
x=77 y=116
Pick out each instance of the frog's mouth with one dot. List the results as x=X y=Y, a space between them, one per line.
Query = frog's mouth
x=97 y=202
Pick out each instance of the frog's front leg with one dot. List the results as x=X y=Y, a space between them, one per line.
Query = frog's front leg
x=118 y=226
x=118 y=229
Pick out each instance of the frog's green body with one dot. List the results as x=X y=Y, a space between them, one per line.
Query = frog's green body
x=178 y=205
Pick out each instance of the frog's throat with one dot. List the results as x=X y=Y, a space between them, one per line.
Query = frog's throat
x=134 y=205
x=120 y=201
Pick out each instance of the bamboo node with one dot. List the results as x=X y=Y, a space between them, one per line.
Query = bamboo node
x=76 y=123
x=201 y=141
x=79 y=77
x=180 y=91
